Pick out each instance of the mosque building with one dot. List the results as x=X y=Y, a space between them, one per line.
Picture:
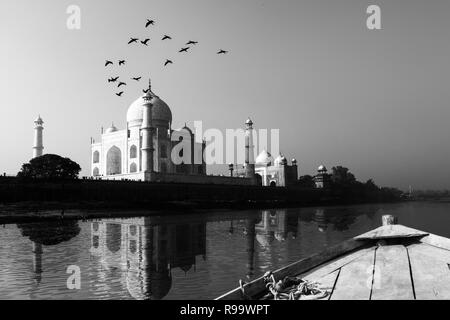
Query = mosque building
x=275 y=172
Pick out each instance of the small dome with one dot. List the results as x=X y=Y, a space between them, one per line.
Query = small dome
x=280 y=160
x=160 y=111
x=322 y=168
x=264 y=158
x=38 y=120
x=111 y=129
x=187 y=129
x=294 y=161
x=249 y=122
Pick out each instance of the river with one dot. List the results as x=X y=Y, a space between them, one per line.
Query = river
x=195 y=256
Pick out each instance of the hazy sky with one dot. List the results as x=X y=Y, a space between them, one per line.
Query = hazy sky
x=376 y=101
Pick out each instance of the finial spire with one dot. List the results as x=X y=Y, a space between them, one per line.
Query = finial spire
x=149 y=95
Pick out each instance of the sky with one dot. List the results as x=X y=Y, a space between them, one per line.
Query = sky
x=375 y=101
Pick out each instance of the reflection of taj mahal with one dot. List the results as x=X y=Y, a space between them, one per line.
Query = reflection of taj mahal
x=145 y=254
x=274 y=225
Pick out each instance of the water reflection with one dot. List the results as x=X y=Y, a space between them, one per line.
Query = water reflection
x=48 y=234
x=145 y=253
x=195 y=256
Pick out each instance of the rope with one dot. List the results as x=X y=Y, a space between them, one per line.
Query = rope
x=292 y=288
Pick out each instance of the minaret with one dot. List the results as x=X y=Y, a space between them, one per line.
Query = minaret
x=249 y=153
x=38 y=147
x=147 y=132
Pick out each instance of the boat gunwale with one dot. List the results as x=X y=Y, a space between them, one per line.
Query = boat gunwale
x=256 y=287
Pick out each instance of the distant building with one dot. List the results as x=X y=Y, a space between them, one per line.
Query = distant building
x=322 y=179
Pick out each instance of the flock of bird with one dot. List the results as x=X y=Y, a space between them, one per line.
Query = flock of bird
x=145 y=42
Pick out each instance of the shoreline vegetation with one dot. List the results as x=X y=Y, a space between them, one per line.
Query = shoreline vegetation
x=48 y=188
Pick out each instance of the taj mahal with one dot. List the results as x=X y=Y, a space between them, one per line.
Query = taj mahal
x=142 y=151
x=145 y=146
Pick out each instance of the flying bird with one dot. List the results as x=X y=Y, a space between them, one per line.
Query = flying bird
x=121 y=62
x=166 y=37
x=145 y=90
x=137 y=78
x=119 y=94
x=191 y=42
x=113 y=79
x=133 y=40
x=145 y=41
x=149 y=22
x=184 y=49
x=108 y=62
x=222 y=51
x=167 y=62
x=121 y=84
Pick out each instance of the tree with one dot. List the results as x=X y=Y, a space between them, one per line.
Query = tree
x=306 y=181
x=50 y=166
x=371 y=186
x=341 y=176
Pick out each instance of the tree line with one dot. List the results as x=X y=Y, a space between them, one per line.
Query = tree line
x=343 y=183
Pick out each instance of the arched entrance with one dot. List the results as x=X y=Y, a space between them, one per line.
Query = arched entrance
x=273 y=184
x=114 y=161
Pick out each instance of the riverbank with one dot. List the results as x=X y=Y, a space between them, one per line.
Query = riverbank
x=38 y=200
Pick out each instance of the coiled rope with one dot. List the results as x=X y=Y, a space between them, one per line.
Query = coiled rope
x=290 y=288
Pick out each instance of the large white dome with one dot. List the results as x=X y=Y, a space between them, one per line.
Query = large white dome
x=160 y=111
